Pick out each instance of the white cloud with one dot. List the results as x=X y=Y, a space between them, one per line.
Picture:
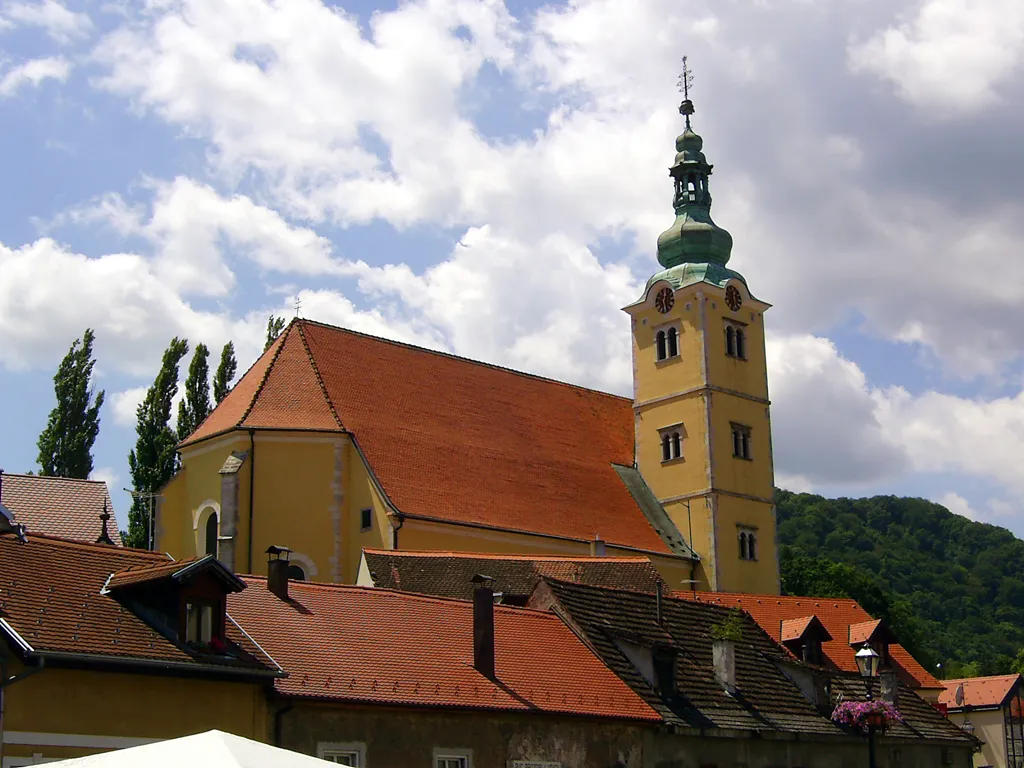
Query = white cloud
x=125 y=405
x=109 y=476
x=33 y=72
x=957 y=504
x=60 y=23
x=952 y=55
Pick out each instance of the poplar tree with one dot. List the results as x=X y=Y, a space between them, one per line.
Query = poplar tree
x=225 y=373
x=274 y=327
x=194 y=409
x=151 y=462
x=65 y=444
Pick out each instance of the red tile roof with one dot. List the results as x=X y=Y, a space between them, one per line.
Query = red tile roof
x=979 y=691
x=449 y=574
x=793 y=629
x=59 y=506
x=51 y=596
x=373 y=645
x=863 y=631
x=835 y=613
x=452 y=439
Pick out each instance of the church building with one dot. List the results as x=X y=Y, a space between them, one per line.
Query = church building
x=336 y=441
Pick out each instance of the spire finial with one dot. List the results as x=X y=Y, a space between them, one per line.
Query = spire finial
x=104 y=535
x=685 y=82
x=298 y=305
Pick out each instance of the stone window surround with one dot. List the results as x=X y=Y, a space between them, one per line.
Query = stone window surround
x=442 y=753
x=664 y=328
x=676 y=448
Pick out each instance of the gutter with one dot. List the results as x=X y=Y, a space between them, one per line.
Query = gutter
x=96 y=658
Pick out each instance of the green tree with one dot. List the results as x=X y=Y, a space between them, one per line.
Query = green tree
x=65 y=444
x=274 y=327
x=194 y=409
x=225 y=373
x=151 y=462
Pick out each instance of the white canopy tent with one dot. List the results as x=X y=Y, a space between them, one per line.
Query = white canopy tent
x=213 y=749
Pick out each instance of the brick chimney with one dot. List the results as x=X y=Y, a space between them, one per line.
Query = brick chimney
x=277 y=570
x=483 y=625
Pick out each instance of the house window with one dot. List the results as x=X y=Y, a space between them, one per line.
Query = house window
x=211 y=534
x=453 y=758
x=671 y=444
x=366 y=519
x=735 y=341
x=666 y=342
x=198 y=623
x=748 y=544
x=741 y=441
x=342 y=754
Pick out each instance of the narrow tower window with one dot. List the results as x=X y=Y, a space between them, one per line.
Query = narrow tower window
x=741 y=344
x=741 y=441
x=730 y=341
x=211 y=534
x=666 y=447
x=743 y=545
x=748 y=544
x=671 y=443
x=673 y=342
x=661 y=344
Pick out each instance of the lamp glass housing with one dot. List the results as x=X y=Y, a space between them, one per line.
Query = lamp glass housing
x=867 y=661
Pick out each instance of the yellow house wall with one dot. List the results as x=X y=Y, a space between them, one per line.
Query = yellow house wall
x=64 y=703
x=989 y=728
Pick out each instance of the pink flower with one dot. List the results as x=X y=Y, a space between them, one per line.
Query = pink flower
x=856 y=714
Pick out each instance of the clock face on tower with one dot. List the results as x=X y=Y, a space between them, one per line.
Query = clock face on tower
x=733 y=298
x=665 y=300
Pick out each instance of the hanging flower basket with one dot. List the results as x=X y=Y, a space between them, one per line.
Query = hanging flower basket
x=862 y=715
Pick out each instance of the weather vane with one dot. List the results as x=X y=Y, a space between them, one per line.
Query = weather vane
x=685 y=83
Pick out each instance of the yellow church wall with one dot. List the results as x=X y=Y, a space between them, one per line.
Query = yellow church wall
x=759 y=576
x=61 y=713
x=747 y=476
x=361 y=493
x=749 y=376
x=173 y=529
x=693 y=517
x=688 y=474
x=656 y=378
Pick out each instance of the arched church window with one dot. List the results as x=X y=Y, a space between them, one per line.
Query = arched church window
x=295 y=573
x=677 y=445
x=211 y=534
x=666 y=447
x=743 y=545
x=730 y=341
x=660 y=342
x=751 y=546
x=741 y=344
x=673 y=342
x=737 y=443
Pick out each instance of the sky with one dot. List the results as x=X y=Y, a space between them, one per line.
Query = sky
x=489 y=178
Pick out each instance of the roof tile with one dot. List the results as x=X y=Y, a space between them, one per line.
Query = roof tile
x=59 y=506
x=979 y=691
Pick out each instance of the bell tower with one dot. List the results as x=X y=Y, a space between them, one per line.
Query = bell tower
x=700 y=388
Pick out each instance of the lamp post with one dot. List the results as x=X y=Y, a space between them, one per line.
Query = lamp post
x=867 y=662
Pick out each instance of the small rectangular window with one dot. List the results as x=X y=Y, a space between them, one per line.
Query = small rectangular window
x=353 y=753
x=453 y=758
x=671 y=443
x=366 y=519
x=198 y=623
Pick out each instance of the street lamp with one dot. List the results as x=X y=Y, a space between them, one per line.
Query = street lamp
x=867 y=662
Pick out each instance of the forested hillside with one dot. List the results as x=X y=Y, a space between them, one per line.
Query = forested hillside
x=952 y=589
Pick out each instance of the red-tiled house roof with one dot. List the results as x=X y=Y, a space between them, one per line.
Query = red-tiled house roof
x=59 y=506
x=449 y=574
x=56 y=602
x=979 y=692
x=356 y=644
x=837 y=616
x=452 y=439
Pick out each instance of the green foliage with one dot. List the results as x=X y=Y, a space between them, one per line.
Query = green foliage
x=225 y=373
x=729 y=628
x=950 y=588
x=194 y=409
x=151 y=462
x=65 y=444
x=274 y=327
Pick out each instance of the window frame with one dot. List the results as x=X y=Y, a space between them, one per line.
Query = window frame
x=366 y=514
x=736 y=333
x=204 y=609
x=670 y=439
x=746 y=535
x=449 y=753
x=324 y=750
x=742 y=441
x=667 y=342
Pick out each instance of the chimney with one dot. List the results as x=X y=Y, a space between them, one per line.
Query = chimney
x=483 y=625
x=277 y=570
x=597 y=547
x=890 y=687
x=723 y=654
x=1 y=486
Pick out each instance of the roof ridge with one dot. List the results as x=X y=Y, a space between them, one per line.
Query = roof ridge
x=46 y=538
x=53 y=477
x=452 y=356
x=498 y=556
x=316 y=372
x=776 y=598
x=415 y=596
x=279 y=344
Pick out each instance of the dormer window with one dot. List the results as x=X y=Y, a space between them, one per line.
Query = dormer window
x=735 y=340
x=199 y=623
x=671 y=443
x=803 y=637
x=666 y=343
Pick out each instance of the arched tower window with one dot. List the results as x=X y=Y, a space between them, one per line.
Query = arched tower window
x=677 y=445
x=673 y=342
x=752 y=546
x=666 y=447
x=661 y=342
x=211 y=534
x=730 y=341
x=741 y=344
x=743 y=545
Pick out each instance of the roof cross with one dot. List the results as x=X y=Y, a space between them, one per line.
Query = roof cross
x=684 y=83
